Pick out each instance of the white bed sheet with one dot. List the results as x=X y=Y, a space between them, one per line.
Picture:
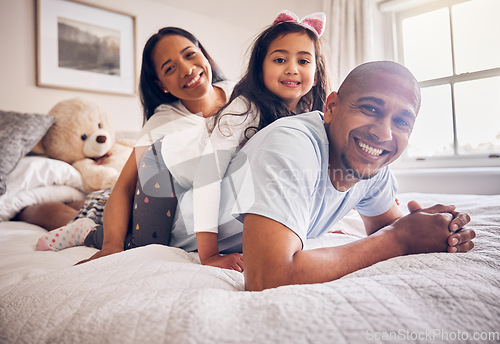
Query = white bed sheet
x=38 y=179
x=163 y=295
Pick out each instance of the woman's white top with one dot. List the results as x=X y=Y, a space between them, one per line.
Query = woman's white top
x=183 y=135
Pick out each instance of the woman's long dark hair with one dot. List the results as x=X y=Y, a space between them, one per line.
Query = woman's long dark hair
x=252 y=87
x=151 y=94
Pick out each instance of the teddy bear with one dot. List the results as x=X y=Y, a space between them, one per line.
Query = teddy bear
x=83 y=136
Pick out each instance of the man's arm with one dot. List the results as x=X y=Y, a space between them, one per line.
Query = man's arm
x=273 y=256
x=273 y=253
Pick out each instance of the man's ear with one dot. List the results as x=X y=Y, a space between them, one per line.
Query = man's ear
x=331 y=102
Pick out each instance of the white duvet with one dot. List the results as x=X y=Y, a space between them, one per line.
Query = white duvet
x=158 y=294
x=37 y=180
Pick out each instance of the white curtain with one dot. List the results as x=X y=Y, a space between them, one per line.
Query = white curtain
x=349 y=35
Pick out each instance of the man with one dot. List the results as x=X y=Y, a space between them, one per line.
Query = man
x=306 y=174
x=295 y=178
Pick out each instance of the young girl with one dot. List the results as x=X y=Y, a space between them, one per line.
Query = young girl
x=286 y=76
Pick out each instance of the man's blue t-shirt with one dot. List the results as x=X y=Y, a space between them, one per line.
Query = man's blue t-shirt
x=282 y=174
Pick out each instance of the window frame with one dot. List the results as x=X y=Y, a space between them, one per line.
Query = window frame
x=457 y=160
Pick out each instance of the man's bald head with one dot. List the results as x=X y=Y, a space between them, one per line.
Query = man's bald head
x=361 y=73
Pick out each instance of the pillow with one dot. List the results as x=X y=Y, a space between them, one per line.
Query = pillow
x=19 y=133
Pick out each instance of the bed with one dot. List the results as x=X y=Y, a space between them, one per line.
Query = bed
x=159 y=294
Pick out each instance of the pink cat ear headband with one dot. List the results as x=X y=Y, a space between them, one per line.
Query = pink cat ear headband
x=315 y=21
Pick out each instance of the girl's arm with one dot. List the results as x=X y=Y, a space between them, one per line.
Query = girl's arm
x=118 y=208
x=224 y=142
x=208 y=250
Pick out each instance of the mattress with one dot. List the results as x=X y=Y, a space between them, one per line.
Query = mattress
x=159 y=294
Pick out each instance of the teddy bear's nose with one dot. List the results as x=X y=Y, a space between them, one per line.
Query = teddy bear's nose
x=101 y=139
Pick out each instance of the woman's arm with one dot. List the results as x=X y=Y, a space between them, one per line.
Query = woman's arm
x=118 y=208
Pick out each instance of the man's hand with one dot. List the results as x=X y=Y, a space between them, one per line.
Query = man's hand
x=233 y=261
x=461 y=239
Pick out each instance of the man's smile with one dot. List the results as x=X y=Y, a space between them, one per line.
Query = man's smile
x=370 y=149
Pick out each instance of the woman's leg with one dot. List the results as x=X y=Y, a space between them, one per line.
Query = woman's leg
x=93 y=206
x=154 y=201
x=49 y=215
x=81 y=224
x=70 y=235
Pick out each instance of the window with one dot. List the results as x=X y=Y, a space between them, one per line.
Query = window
x=453 y=48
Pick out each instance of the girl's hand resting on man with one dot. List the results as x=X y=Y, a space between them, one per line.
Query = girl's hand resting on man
x=208 y=250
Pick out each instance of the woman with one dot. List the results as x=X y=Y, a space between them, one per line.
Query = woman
x=179 y=84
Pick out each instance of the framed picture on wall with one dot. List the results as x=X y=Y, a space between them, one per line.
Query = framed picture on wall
x=83 y=47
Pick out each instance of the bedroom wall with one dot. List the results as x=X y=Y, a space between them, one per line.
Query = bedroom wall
x=225 y=35
x=225 y=27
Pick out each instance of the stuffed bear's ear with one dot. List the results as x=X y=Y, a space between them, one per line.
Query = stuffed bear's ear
x=38 y=149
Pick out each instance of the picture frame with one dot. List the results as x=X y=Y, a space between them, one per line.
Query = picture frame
x=84 y=47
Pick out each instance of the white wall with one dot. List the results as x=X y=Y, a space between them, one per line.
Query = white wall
x=225 y=27
x=466 y=180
